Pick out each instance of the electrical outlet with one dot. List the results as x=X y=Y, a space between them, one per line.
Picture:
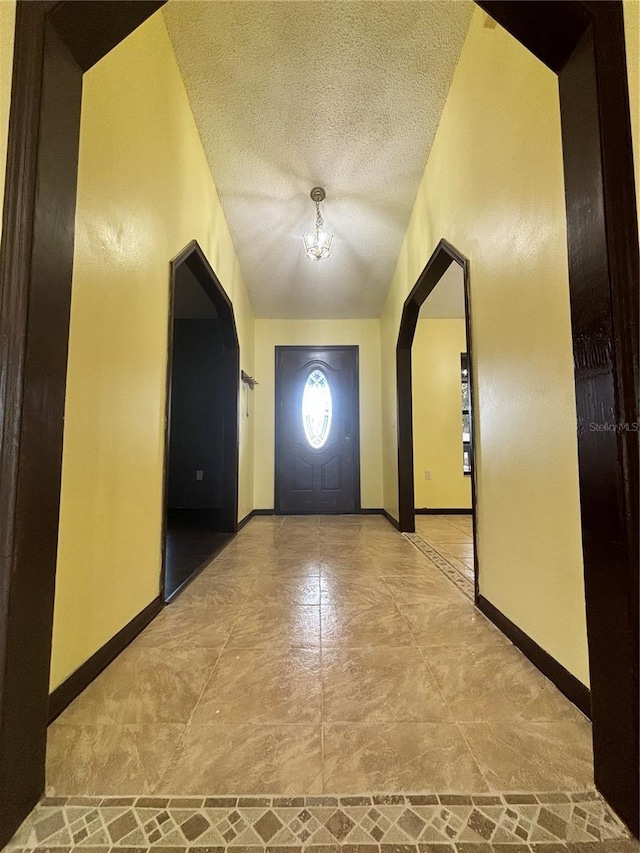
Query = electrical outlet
x=427 y=475
x=199 y=475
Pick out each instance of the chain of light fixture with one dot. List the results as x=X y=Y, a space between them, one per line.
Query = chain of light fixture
x=317 y=240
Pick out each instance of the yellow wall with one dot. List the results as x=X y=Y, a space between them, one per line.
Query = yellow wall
x=632 y=39
x=364 y=333
x=493 y=187
x=437 y=415
x=7 y=22
x=145 y=190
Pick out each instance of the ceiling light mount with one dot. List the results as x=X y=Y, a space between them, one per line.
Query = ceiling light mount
x=317 y=240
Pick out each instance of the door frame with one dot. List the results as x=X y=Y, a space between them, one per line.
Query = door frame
x=54 y=44
x=582 y=41
x=443 y=256
x=196 y=261
x=356 y=445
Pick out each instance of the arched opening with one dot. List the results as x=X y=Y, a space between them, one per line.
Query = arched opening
x=201 y=450
x=437 y=266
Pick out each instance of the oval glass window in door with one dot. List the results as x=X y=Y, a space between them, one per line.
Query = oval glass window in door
x=316 y=409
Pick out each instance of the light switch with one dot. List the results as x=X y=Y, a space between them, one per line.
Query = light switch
x=199 y=475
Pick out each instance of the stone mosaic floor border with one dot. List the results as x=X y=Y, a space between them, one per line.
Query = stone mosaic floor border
x=447 y=568
x=397 y=823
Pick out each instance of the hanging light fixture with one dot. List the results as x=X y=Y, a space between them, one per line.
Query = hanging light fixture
x=317 y=240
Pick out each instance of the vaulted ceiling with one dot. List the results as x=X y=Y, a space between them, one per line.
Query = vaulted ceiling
x=289 y=95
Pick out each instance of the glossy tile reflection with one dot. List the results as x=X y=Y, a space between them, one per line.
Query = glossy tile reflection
x=322 y=655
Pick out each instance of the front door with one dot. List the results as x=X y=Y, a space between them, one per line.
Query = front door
x=317 y=430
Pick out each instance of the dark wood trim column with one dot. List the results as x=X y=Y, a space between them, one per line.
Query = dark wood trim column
x=36 y=264
x=37 y=267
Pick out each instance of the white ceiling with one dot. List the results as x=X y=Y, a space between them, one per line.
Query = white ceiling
x=289 y=95
x=446 y=300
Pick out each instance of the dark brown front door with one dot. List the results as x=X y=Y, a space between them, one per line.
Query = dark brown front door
x=317 y=430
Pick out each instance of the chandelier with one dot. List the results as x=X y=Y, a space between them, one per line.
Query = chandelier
x=317 y=240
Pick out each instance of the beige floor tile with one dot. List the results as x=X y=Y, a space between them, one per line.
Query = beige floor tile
x=218 y=587
x=464 y=568
x=291 y=536
x=348 y=538
x=246 y=759
x=450 y=622
x=414 y=558
x=332 y=550
x=337 y=530
x=262 y=686
x=230 y=562
x=401 y=757
x=379 y=685
x=449 y=537
x=462 y=522
x=408 y=567
x=283 y=589
x=292 y=567
x=250 y=551
x=332 y=521
x=465 y=558
x=464 y=561
x=400 y=550
x=263 y=526
x=182 y=626
x=434 y=524
x=297 y=536
x=459 y=550
x=352 y=567
x=270 y=520
x=364 y=625
x=108 y=760
x=300 y=522
x=262 y=540
x=276 y=626
x=347 y=591
x=496 y=682
x=526 y=756
x=145 y=685
x=420 y=589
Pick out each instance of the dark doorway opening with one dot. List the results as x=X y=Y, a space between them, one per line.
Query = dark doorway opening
x=201 y=473
x=317 y=430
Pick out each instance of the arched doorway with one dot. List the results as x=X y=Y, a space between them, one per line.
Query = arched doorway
x=201 y=445
x=442 y=258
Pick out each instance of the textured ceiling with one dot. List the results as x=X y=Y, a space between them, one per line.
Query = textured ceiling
x=288 y=95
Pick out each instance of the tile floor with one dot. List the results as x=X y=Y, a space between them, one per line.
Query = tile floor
x=452 y=537
x=324 y=686
x=322 y=655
